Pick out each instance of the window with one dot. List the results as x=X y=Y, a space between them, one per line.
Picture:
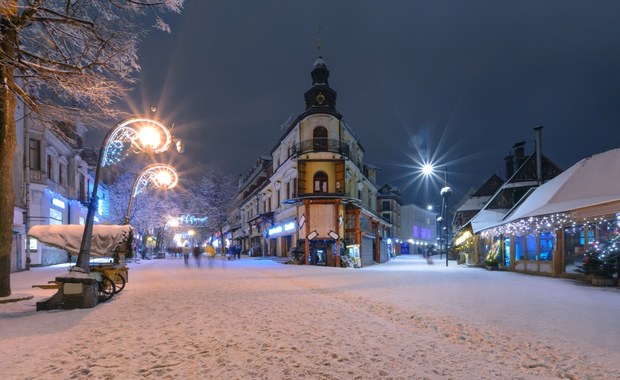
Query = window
x=82 y=196
x=288 y=190
x=531 y=252
x=519 y=248
x=546 y=246
x=35 y=154
x=294 y=192
x=61 y=177
x=507 y=251
x=319 y=138
x=50 y=174
x=385 y=205
x=55 y=216
x=320 y=182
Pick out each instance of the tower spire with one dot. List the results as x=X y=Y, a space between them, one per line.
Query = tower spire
x=318 y=41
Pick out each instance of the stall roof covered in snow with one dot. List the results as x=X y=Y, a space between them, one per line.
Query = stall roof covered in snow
x=105 y=240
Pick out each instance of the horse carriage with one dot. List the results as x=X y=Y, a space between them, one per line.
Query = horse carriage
x=110 y=246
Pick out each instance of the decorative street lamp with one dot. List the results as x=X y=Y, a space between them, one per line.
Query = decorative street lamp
x=138 y=133
x=160 y=176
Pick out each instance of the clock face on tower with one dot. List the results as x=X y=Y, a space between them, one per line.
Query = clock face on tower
x=320 y=98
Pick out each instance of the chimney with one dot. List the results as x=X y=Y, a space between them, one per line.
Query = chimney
x=519 y=152
x=539 y=175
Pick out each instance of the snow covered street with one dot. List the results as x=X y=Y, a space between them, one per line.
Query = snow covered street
x=257 y=319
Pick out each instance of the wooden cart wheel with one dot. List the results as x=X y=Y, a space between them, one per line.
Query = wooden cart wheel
x=106 y=288
x=119 y=281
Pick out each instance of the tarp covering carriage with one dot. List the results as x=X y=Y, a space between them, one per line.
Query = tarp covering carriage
x=107 y=240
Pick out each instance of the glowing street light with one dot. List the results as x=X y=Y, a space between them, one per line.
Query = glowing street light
x=112 y=149
x=160 y=176
x=427 y=169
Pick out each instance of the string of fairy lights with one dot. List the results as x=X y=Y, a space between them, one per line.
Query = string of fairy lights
x=553 y=222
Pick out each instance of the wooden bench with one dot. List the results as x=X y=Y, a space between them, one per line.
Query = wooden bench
x=49 y=285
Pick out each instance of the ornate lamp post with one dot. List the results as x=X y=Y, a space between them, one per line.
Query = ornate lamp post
x=161 y=176
x=141 y=134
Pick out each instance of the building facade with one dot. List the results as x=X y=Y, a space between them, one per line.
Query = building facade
x=314 y=196
x=51 y=182
x=418 y=229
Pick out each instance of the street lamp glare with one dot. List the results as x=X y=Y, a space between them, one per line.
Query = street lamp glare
x=163 y=179
x=150 y=137
x=427 y=169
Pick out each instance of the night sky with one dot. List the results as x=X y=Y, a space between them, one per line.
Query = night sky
x=458 y=82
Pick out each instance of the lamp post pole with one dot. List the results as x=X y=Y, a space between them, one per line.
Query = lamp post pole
x=83 y=256
x=445 y=192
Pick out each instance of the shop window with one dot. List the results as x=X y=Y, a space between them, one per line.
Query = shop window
x=607 y=230
x=55 y=216
x=546 y=246
x=507 y=251
x=531 y=251
x=519 y=248
x=320 y=182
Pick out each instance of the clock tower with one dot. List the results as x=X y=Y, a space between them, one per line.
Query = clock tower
x=320 y=97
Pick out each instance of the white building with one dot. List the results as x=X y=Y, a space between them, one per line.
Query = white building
x=51 y=183
x=418 y=228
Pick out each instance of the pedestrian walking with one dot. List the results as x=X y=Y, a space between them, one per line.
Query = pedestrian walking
x=429 y=254
x=197 y=255
x=186 y=250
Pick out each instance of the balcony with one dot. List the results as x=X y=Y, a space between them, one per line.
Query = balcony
x=320 y=145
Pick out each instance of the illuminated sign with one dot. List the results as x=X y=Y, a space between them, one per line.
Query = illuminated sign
x=192 y=220
x=58 y=203
x=275 y=230
x=279 y=228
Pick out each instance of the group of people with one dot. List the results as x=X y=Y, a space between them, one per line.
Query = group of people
x=196 y=252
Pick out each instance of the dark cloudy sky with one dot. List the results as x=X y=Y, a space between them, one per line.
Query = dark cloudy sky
x=460 y=81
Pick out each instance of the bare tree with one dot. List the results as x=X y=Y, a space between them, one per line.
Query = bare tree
x=214 y=195
x=63 y=60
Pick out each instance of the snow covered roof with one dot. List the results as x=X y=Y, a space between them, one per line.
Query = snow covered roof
x=591 y=181
x=487 y=219
x=105 y=240
x=474 y=203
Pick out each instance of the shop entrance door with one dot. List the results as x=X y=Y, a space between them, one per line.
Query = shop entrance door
x=318 y=252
